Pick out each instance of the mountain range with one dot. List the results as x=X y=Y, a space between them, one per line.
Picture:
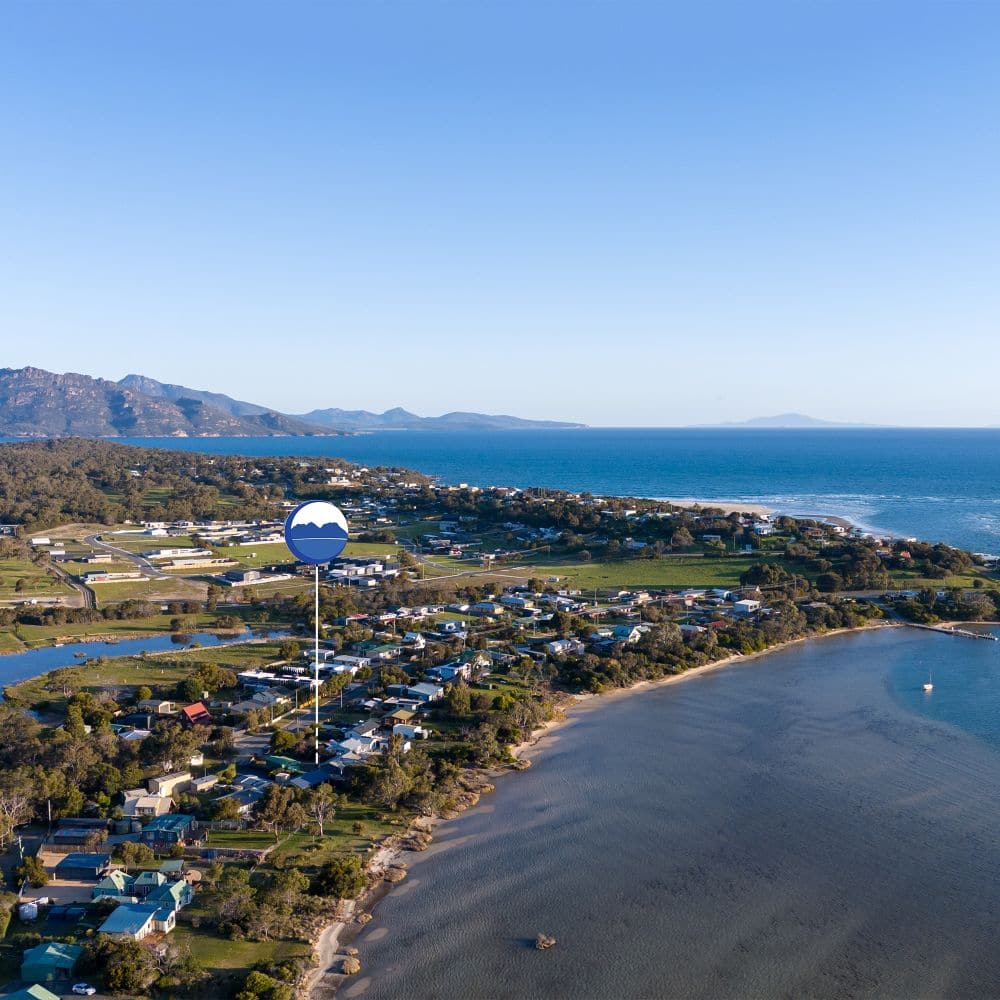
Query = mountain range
x=38 y=403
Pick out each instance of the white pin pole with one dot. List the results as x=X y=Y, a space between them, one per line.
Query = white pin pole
x=316 y=666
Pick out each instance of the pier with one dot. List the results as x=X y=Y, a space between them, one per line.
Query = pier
x=960 y=632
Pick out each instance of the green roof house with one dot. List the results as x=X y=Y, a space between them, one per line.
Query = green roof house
x=175 y=894
x=35 y=992
x=114 y=884
x=146 y=882
x=46 y=963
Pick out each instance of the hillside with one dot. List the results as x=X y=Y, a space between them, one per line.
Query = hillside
x=400 y=419
x=37 y=403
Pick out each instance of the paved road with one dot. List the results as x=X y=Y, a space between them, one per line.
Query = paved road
x=85 y=594
x=143 y=564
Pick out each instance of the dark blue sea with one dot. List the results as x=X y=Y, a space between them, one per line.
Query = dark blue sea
x=935 y=484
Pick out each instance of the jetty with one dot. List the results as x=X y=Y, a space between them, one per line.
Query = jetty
x=960 y=632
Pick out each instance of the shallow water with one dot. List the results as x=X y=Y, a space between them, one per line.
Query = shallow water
x=803 y=825
x=16 y=667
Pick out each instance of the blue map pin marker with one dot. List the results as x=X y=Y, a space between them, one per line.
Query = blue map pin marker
x=316 y=532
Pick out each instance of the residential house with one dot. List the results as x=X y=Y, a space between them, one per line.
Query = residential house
x=48 y=962
x=174 y=894
x=410 y=732
x=246 y=799
x=115 y=885
x=564 y=647
x=196 y=715
x=79 y=831
x=146 y=882
x=746 y=608
x=316 y=777
x=486 y=609
x=350 y=664
x=448 y=673
x=147 y=805
x=34 y=992
x=165 y=831
x=627 y=633
x=425 y=692
x=158 y=706
x=167 y=784
x=136 y=921
x=399 y=717
x=83 y=867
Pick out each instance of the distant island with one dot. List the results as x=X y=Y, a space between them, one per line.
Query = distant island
x=39 y=403
x=785 y=421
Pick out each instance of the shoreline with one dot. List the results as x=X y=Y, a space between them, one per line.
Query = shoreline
x=580 y=701
x=113 y=638
x=329 y=947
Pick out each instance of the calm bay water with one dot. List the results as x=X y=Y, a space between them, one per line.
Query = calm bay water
x=810 y=824
x=934 y=484
x=33 y=662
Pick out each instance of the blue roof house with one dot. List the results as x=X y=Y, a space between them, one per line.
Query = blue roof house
x=136 y=921
x=83 y=866
x=165 y=831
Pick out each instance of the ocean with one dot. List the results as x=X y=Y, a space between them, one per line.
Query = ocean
x=809 y=824
x=941 y=485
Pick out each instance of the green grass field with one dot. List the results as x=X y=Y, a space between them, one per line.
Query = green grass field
x=178 y=588
x=256 y=556
x=372 y=549
x=34 y=635
x=37 y=582
x=140 y=543
x=911 y=580
x=9 y=642
x=221 y=955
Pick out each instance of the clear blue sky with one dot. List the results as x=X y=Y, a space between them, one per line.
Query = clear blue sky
x=619 y=213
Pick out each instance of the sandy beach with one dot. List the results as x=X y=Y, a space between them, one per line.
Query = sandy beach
x=726 y=506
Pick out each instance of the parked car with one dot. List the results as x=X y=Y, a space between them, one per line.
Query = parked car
x=84 y=990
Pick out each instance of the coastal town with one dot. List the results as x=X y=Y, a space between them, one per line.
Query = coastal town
x=174 y=820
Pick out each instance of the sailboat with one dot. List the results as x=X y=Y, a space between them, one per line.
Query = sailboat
x=929 y=686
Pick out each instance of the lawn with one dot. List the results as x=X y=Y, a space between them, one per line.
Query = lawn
x=179 y=588
x=36 y=581
x=911 y=580
x=389 y=549
x=142 y=543
x=305 y=850
x=81 y=568
x=9 y=643
x=255 y=556
x=34 y=635
x=681 y=571
x=243 y=840
x=230 y=960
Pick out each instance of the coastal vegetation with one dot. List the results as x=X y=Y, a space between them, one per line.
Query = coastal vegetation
x=493 y=610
